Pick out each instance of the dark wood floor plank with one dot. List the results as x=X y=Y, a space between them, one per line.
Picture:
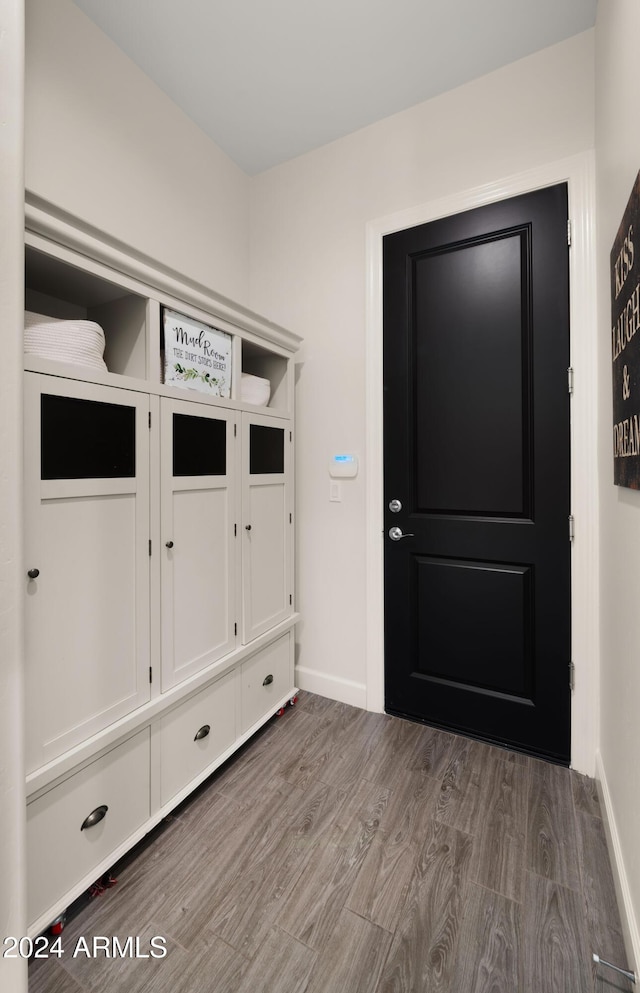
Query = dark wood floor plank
x=381 y=886
x=552 y=848
x=499 y=856
x=393 y=751
x=247 y=909
x=431 y=754
x=602 y=915
x=49 y=976
x=283 y=966
x=490 y=950
x=315 y=902
x=269 y=879
x=319 y=747
x=585 y=794
x=556 y=955
x=248 y=834
x=354 y=960
x=423 y=956
x=125 y=965
x=460 y=803
x=311 y=703
x=352 y=758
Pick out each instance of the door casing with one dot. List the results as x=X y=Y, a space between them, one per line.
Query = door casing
x=579 y=173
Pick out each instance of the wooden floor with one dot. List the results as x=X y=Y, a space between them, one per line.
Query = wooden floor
x=349 y=852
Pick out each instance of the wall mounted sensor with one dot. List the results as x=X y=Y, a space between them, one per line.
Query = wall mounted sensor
x=343 y=465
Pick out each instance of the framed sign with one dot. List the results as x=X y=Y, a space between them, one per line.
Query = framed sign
x=196 y=356
x=625 y=344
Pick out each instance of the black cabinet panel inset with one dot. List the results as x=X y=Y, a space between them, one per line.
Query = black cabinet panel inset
x=199 y=446
x=471 y=410
x=492 y=648
x=266 y=449
x=86 y=439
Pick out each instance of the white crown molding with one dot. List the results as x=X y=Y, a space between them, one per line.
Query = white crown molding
x=56 y=225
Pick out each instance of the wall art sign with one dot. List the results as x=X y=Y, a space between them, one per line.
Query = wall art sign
x=625 y=344
x=196 y=356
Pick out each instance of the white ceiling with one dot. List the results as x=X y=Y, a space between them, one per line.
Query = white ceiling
x=271 y=79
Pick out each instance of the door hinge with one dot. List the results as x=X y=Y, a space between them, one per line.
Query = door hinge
x=235 y=628
x=569 y=233
x=290 y=600
x=149 y=420
x=570 y=380
x=235 y=530
x=572 y=676
x=572 y=529
x=235 y=430
x=150 y=674
x=290 y=435
x=149 y=546
x=290 y=518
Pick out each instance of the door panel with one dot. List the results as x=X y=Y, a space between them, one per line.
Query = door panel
x=87 y=534
x=266 y=524
x=198 y=550
x=476 y=433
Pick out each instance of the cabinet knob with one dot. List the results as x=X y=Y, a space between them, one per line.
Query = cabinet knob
x=169 y=544
x=94 y=817
x=203 y=732
x=247 y=527
x=267 y=680
x=33 y=573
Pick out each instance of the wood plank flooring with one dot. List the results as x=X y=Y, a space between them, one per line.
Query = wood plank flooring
x=348 y=852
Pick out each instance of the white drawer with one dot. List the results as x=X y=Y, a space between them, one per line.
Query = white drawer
x=184 y=755
x=59 y=850
x=266 y=678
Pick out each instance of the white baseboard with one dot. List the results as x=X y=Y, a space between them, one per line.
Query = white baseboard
x=344 y=690
x=623 y=890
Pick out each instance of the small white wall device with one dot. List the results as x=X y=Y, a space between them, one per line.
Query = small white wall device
x=343 y=465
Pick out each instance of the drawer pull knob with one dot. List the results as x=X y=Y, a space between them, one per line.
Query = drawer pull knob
x=203 y=732
x=33 y=573
x=267 y=680
x=95 y=817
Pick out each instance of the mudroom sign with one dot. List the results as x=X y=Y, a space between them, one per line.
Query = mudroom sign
x=625 y=344
x=196 y=356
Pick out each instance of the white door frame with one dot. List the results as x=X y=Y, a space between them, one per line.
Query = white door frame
x=579 y=172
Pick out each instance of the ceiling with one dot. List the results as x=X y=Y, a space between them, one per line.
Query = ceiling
x=268 y=80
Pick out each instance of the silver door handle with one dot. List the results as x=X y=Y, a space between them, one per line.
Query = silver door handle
x=396 y=534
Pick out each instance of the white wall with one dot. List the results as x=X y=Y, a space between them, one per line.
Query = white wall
x=106 y=144
x=618 y=161
x=13 y=973
x=308 y=220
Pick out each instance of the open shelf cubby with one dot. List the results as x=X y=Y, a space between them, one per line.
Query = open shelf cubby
x=267 y=364
x=57 y=289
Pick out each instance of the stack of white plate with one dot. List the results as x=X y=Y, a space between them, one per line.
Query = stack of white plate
x=255 y=390
x=79 y=342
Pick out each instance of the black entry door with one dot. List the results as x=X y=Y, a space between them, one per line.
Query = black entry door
x=476 y=451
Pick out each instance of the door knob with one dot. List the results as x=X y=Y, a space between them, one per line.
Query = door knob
x=169 y=544
x=397 y=533
x=247 y=527
x=395 y=506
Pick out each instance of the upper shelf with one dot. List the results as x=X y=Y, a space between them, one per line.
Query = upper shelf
x=73 y=272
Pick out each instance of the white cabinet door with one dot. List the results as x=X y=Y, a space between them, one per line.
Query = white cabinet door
x=86 y=547
x=198 y=543
x=266 y=523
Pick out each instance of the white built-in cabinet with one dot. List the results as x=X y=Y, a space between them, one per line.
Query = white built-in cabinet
x=158 y=558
